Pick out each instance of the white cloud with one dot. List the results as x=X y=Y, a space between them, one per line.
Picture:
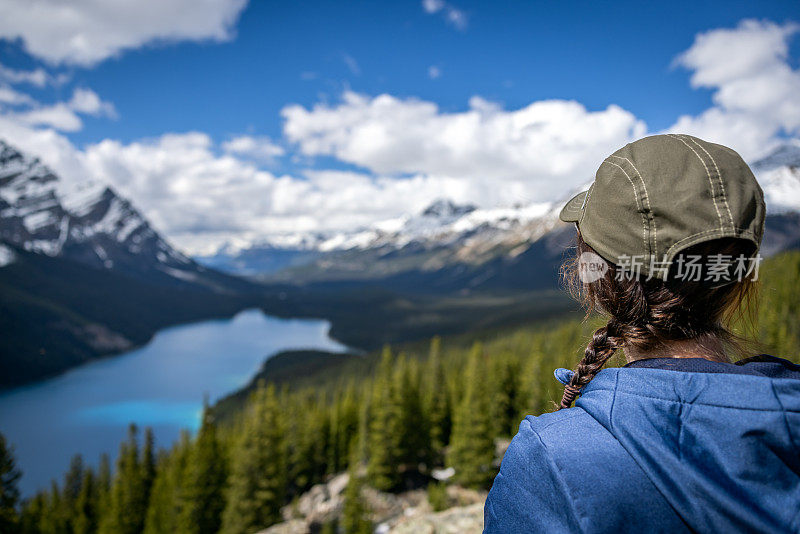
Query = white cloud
x=85 y=32
x=63 y=116
x=540 y=149
x=11 y=97
x=59 y=116
x=434 y=72
x=38 y=77
x=86 y=101
x=258 y=148
x=755 y=89
x=200 y=199
x=451 y=14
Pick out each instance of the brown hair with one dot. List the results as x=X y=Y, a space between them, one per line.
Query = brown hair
x=648 y=314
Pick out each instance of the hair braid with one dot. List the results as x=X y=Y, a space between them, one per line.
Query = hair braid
x=605 y=341
x=647 y=314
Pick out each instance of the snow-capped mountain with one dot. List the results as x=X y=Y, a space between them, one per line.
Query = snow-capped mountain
x=86 y=222
x=446 y=233
x=442 y=227
x=779 y=176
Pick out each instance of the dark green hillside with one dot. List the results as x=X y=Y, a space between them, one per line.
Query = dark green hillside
x=56 y=313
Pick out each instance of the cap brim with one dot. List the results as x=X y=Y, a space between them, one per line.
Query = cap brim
x=573 y=209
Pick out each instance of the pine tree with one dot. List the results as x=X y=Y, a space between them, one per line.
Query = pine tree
x=32 y=514
x=437 y=403
x=54 y=519
x=472 y=445
x=102 y=494
x=344 y=428
x=9 y=492
x=308 y=440
x=128 y=500
x=507 y=396
x=257 y=481
x=164 y=507
x=415 y=443
x=73 y=480
x=355 y=516
x=84 y=516
x=385 y=429
x=148 y=463
x=202 y=497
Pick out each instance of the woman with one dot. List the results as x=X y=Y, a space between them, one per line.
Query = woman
x=679 y=439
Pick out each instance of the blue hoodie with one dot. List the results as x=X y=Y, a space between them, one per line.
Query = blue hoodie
x=660 y=445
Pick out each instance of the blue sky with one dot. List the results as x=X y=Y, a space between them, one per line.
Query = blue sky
x=511 y=52
x=236 y=70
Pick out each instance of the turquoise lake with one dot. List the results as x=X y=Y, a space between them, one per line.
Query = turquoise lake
x=88 y=409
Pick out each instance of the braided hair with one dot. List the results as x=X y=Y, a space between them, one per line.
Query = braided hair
x=648 y=314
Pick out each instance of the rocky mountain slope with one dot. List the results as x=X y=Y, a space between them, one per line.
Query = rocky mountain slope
x=88 y=223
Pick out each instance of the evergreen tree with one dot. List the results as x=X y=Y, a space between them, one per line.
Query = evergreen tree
x=9 y=492
x=355 y=516
x=164 y=507
x=257 y=482
x=344 y=423
x=507 y=396
x=415 y=443
x=202 y=498
x=32 y=514
x=385 y=429
x=308 y=440
x=84 y=515
x=148 y=463
x=102 y=496
x=127 y=505
x=54 y=516
x=472 y=445
x=73 y=481
x=437 y=404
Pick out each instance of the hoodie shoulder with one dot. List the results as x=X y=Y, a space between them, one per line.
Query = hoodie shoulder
x=563 y=472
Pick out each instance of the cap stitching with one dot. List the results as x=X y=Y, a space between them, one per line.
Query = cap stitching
x=705 y=232
x=708 y=173
x=719 y=175
x=571 y=203
x=585 y=202
x=649 y=207
x=638 y=206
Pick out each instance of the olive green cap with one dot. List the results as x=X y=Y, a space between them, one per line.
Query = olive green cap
x=661 y=194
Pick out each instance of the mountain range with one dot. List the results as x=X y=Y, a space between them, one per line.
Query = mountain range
x=453 y=247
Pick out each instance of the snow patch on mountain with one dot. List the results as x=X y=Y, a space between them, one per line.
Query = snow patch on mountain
x=779 y=176
x=87 y=221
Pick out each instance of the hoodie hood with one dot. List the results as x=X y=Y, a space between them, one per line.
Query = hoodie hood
x=719 y=441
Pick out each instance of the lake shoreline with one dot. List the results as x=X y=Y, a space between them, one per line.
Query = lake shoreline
x=161 y=385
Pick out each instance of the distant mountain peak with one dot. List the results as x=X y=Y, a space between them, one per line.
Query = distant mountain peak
x=87 y=222
x=779 y=176
x=445 y=208
x=784 y=155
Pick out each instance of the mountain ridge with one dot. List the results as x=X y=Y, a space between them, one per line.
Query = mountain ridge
x=446 y=235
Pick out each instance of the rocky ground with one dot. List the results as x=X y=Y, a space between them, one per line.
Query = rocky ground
x=402 y=513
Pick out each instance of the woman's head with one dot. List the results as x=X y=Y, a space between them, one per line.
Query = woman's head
x=646 y=315
x=667 y=246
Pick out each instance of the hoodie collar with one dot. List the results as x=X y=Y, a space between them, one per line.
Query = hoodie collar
x=760 y=365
